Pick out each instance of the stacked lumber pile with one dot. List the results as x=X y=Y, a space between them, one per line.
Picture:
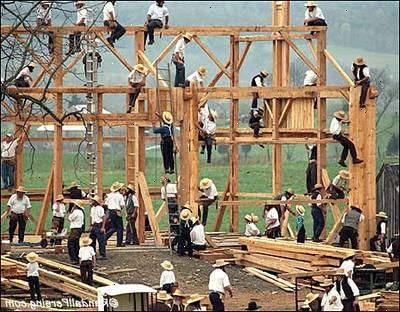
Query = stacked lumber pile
x=10 y=269
x=224 y=240
x=389 y=301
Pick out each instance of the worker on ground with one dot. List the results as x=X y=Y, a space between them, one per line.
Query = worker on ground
x=167 y=141
x=256 y=116
x=317 y=213
x=339 y=186
x=258 y=81
x=207 y=133
x=115 y=203
x=44 y=19
x=313 y=301
x=177 y=305
x=340 y=117
x=169 y=194
x=87 y=261
x=132 y=208
x=178 y=58
x=167 y=278
x=197 y=235
x=219 y=285
x=197 y=77
x=253 y=306
x=348 y=265
x=76 y=228
x=350 y=222
x=81 y=19
x=282 y=208
x=394 y=254
x=193 y=303
x=362 y=78
x=348 y=291
x=110 y=21
x=378 y=241
x=185 y=226
x=272 y=223
x=331 y=300
x=75 y=192
x=313 y=15
x=155 y=15
x=8 y=163
x=24 y=78
x=19 y=211
x=311 y=171
x=162 y=304
x=209 y=196
x=137 y=80
x=57 y=221
x=251 y=227
x=32 y=273
x=98 y=226
x=301 y=231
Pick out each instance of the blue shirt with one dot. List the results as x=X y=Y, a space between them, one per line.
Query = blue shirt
x=299 y=222
x=165 y=131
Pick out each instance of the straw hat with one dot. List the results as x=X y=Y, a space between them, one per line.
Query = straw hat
x=86 y=241
x=310 y=4
x=220 y=263
x=340 y=115
x=9 y=135
x=264 y=73
x=205 y=183
x=20 y=189
x=32 y=64
x=300 y=210
x=74 y=184
x=214 y=114
x=318 y=186
x=162 y=295
x=185 y=214
x=130 y=187
x=344 y=174
x=188 y=36
x=32 y=256
x=359 y=61
x=179 y=293
x=187 y=206
x=59 y=198
x=78 y=203
x=248 y=218
x=255 y=218
x=116 y=186
x=382 y=214
x=202 y=70
x=327 y=282
x=290 y=191
x=194 y=298
x=97 y=199
x=167 y=117
x=167 y=265
x=140 y=68
x=194 y=219
x=310 y=297
x=340 y=272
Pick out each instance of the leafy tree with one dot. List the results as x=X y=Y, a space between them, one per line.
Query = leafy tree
x=392 y=148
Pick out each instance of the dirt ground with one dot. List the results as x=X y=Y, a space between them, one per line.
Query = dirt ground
x=192 y=275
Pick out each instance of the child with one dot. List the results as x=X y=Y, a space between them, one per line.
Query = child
x=177 y=304
x=301 y=231
x=167 y=279
x=251 y=227
x=32 y=269
x=87 y=260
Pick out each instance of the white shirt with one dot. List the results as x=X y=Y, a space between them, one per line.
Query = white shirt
x=272 y=214
x=109 y=12
x=251 y=229
x=340 y=183
x=157 y=12
x=218 y=281
x=354 y=289
x=180 y=47
x=390 y=248
x=19 y=205
x=348 y=267
x=203 y=113
x=136 y=76
x=86 y=253
x=167 y=277
x=32 y=269
x=209 y=126
x=211 y=192
x=319 y=197
x=258 y=82
x=197 y=235
x=97 y=214
x=58 y=210
x=317 y=12
x=310 y=78
x=115 y=201
x=81 y=14
x=24 y=72
x=8 y=149
x=336 y=306
x=365 y=72
x=383 y=228
x=335 y=127
x=171 y=190
x=76 y=219
x=195 y=77
x=44 y=14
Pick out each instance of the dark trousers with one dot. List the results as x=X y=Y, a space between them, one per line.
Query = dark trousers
x=167 y=150
x=209 y=143
x=256 y=128
x=199 y=247
x=14 y=220
x=206 y=202
x=348 y=233
x=131 y=234
x=318 y=22
x=347 y=145
x=51 y=36
x=117 y=32
x=185 y=244
x=179 y=75
x=74 y=42
x=311 y=176
x=274 y=232
x=301 y=235
x=73 y=244
x=216 y=302
x=87 y=272
x=34 y=288
x=348 y=305
x=116 y=226
x=336 y=193
x=133 y=97
x=254 y=103
x=95 y=234
x=396 y=271
x=154 y=23
x=8 y=173
x=364 y=92
x=168 y=287
x=318 y=222
x=57 y=223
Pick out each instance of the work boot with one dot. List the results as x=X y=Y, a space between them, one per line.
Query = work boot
x=357 y=161
x=110 y=42
x=150 y=42
x=260 y=145
x=342 y=163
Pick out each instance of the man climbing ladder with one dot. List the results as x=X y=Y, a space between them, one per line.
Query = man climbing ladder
x=167 y=141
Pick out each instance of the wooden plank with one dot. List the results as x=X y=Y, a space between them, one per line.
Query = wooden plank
x=309 y=274
x=71 y=65
x=253 y=271
x=46 y=202
x=210 y=241
x=15 y=283
x=166 y=50
x=338 y=68
x=284 y=111
x=116 y=53
x=150 y=66
x=243 y=55
x=312 y=49
x=162 y=211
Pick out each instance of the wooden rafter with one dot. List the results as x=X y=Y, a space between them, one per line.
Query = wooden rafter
x=284 y=111
x=164 y=52
x=150 y=66
x=71 y=65
x=114 y=51
x=312 y=49
x=338 y=68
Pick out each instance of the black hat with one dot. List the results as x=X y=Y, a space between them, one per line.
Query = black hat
x=252 y=306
